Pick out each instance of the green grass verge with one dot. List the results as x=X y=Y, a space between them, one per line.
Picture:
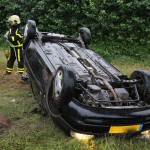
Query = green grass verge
x=30 y=132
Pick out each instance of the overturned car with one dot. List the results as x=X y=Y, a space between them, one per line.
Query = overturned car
x=80 y=90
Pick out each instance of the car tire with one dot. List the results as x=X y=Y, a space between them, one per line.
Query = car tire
x=143 y=86
x=85 y=35
x=64 y=85
x=29 y=32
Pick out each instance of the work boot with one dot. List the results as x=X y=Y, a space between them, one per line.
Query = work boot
x=7 y=73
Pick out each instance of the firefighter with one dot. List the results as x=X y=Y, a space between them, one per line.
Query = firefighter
x=15 y=38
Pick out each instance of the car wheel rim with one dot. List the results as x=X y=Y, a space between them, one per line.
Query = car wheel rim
x=58 y=84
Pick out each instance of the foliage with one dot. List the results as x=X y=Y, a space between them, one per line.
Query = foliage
x=115 y=20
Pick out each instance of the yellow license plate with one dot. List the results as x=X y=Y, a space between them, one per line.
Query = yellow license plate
x=125 y=129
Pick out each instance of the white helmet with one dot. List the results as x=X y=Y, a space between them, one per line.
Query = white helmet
x=14 y=20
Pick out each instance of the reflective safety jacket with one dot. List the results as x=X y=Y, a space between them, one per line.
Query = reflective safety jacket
x=15 y=36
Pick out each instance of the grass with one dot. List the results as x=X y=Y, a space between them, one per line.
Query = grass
x=128 y=64
x=30 y=132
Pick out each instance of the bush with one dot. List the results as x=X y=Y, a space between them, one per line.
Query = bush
x=110 y=20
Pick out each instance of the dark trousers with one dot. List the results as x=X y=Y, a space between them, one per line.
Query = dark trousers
x=15 y=53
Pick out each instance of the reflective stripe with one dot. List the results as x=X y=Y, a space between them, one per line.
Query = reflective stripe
x=9 y=69
x=18 y=54
x=21 y=69
x=18 y=42
x=16 y=45
x=10 y=30
x=18 y=34
x=13 y=39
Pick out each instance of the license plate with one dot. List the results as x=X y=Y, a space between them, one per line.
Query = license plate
x=125 y=129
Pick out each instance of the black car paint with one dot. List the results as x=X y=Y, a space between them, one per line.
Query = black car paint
x=75 y=116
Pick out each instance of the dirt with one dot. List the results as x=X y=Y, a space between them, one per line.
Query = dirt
x=4 y=122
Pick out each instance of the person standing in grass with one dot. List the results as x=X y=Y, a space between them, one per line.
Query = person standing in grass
x=15 y=38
